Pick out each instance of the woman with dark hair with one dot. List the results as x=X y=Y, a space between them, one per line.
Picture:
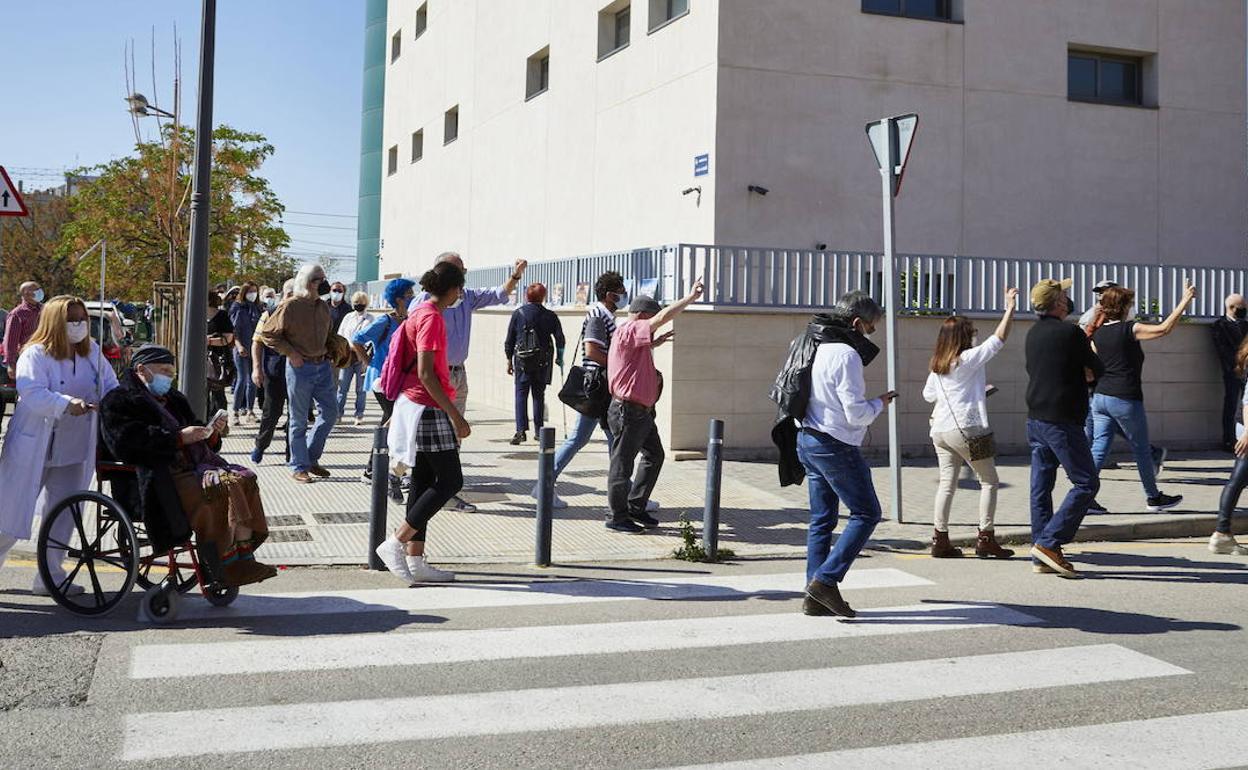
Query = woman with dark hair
x=425 y=427
x=1118 y=404
x=1223 y=539
x=220 y=362
x=957 y=385
x=245 y=318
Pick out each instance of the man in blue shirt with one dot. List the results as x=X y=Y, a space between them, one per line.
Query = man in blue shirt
x=459 y=333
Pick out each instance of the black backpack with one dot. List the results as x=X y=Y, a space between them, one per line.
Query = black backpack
x=530 y=357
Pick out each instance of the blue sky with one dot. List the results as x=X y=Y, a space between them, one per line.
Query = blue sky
x=289 y=69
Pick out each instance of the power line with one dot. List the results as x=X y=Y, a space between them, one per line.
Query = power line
x=319 y=227
x=321 y=214
x=347 y=246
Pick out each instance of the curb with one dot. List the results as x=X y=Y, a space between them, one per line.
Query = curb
x=1173 y=527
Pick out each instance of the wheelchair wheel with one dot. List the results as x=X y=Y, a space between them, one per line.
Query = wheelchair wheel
x=102 y=550
x=152 y=571
x=160 y=603
x=221 y=596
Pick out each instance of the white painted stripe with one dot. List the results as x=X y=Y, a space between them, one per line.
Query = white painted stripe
x=154 y=661
x=476 y=595
x=1191 y=742
x=345 y=723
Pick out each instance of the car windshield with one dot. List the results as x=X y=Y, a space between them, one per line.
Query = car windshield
x=95 y=330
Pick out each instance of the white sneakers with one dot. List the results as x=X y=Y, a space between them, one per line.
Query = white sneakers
x=652 y=506
x=558 y=503
x=422 y=572
x=413 y=569
x=1226 y=544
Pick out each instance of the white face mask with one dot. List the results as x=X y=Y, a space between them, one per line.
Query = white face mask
x=456 y=303
x=77 y=331
x=38 y=295
x=251 y=296
x=975 y=340
x=1130 y=316
x=336 y=296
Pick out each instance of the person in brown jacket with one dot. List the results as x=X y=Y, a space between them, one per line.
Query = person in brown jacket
x=300 y=329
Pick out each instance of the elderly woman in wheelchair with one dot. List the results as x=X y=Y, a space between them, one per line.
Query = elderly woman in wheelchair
x=181 y=480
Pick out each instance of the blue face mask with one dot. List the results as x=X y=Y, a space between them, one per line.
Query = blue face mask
x=160 y=384
x=39 y=295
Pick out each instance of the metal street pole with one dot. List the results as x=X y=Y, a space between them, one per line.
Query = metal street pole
x=193 y=382
x=888 y=170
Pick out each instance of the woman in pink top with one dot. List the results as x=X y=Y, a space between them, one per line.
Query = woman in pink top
x=425 y=427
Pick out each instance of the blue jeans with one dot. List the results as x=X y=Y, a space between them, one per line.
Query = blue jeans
x=309 y=383
x=581 y=435
x=244 y=388
x=1110 y=414
x=1064 y=444
x=836 y=472
x=345 y=376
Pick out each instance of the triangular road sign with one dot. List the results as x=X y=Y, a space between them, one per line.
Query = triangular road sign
x=11 y=203
x=904 y=127
x=892 y=138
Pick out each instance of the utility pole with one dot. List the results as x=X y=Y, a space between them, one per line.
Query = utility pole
x=195 y=300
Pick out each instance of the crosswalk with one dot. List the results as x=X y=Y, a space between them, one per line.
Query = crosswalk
x=297 y=717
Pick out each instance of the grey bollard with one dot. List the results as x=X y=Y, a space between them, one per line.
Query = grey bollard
x=545 y=495
x=714 y=472
x=380 y=501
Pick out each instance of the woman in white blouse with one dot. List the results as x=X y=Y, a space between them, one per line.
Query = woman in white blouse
x=957 y=385
x=49 y=449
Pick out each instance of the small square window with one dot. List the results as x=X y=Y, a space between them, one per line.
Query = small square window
x=418 y=145
x=664 y=11
x=614 y=22
x=396 y=46
x=422 y=19
x=1111 y=79
x=392 y=160
x=537 y=73
x=450 y=125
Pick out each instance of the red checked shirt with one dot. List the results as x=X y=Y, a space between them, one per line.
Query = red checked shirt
x=18 y=327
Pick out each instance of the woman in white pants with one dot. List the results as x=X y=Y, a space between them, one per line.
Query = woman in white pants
x=49 y=449
x=957 y=385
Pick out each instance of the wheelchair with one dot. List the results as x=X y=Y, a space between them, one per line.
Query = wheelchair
x=109 y=552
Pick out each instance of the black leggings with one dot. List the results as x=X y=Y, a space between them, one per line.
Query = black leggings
x=1230 y=494
x=436 y=478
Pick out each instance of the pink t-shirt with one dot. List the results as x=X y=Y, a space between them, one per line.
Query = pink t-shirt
x=424 y=331
x=631 y=375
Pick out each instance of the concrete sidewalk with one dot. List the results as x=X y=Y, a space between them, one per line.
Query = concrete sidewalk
x=327 y=522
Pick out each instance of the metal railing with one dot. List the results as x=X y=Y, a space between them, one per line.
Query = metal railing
x=757 y=277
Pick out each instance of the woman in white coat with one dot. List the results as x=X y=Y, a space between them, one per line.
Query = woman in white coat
x=49 y=448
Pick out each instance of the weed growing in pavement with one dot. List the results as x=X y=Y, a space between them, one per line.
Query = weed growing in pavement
x=691 y=549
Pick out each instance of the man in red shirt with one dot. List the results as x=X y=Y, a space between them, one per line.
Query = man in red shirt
x=635 y=384
x=21 y=323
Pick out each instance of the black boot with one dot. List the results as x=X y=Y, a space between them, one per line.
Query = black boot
x=829 y=595
x=519 y=438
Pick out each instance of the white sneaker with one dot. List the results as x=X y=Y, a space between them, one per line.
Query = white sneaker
x=422 y=572
x=461 y=505
x=1226 y=544
x=652 y=506
x=39 y=589
x=359 y=421
x=557 y=504
x=393 y=555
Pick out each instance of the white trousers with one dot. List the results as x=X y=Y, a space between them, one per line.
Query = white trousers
x=57 y=484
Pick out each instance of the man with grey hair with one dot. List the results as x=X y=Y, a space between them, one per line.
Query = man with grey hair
x=20 y=323
x=1229 y=332
x=834 y=425
x=458 y=320
x=300 y=328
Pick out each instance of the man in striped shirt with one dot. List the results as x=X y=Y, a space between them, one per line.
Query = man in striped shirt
x=20 y=324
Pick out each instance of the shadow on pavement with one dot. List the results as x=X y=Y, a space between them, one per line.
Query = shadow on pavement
x=1095 y=621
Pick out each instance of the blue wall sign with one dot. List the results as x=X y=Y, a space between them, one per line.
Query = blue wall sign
x=701 y=165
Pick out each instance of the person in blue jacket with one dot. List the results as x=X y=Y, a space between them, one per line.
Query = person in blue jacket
x=534 y=343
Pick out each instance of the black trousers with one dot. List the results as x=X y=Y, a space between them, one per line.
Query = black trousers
x=436 y=478
x=1230 y=494
x=634 y=431
x=1232 y=390
x=270 y=413
x=387 y=408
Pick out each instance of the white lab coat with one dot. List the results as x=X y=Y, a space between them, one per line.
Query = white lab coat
x=41 y=436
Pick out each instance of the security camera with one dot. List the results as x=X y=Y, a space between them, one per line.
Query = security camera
x=688 y=190
x=754 y=188
x=821 y=247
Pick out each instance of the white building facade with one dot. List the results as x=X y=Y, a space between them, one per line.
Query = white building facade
x=1093 y=130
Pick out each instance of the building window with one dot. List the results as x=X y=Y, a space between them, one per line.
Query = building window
x=537 y=73
x=392 y=160
x=396 y=46
x=665 y=11
x=938 y=10
x=450 y=125
x=418 y=145
x=422 y=19
x=1095 y=77
x=613 y=28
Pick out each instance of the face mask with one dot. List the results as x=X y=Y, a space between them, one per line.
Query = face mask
x=270 y=302
x=160 y=384
x=77 y=331
x=1241 y=313
x=322 y=288
x=359 y=308
x=38 y=295
x=336 y=296
x=1130 y=314
x=975 y=340
x=251 y=296
x=1070 y=306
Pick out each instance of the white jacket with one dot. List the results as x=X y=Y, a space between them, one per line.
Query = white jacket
x=838 y=403
x=41 y=434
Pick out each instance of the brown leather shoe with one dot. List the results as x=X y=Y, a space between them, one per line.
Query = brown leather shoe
x=303 y=477
x=812 y=607
x=1053 y=558
x=942 y=548
x=247 y=571
x=319 y=472
x=830 y=597
x=987 y=545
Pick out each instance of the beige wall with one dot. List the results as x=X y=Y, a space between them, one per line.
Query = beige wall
x=722 y=364
x=1003 y=164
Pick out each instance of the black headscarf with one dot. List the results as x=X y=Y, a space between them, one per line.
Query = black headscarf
x=151 y=354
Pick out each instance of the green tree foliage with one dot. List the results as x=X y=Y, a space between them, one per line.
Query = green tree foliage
x=28 y=249
x=141 y=205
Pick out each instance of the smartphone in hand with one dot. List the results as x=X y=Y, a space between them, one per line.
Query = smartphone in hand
x=990 y=390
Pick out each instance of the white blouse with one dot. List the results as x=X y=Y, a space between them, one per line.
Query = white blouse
x=959 y=395
x=42 y=379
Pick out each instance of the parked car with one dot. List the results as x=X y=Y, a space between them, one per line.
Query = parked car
x=117 y=338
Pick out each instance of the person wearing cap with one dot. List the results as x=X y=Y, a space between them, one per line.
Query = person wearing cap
x=1229 y=333
x=1059 y=362
x=635 y=383
x=181 y=478
x=534 y=345
x=1085 y=321
x=1090 y=314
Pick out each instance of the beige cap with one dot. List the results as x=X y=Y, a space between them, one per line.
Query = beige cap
x=1046 y=292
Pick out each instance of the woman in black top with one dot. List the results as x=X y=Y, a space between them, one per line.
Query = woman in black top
x=1118 y=404
x=220 y=362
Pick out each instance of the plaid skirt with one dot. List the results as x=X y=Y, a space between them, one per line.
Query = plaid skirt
x=416 y=428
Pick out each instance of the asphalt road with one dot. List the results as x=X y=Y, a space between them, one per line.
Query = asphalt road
x=649 y=665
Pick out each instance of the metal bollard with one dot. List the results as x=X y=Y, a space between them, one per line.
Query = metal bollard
x=545 y=495
x=380 y=503
x=714 y=472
